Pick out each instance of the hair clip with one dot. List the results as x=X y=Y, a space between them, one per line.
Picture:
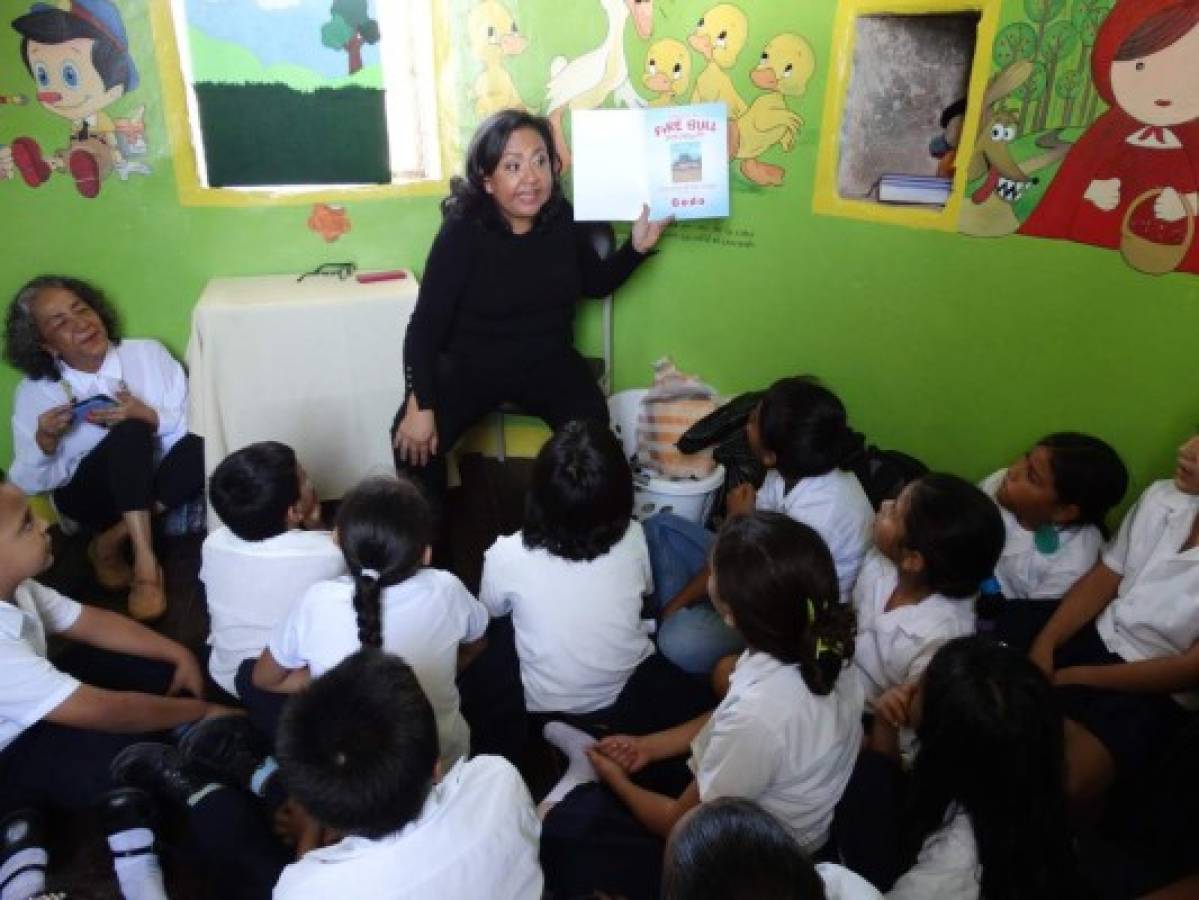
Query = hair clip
x=372 y=574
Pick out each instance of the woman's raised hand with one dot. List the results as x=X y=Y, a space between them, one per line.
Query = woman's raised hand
x=52 y=425
x=416 y=438
x=647 y=233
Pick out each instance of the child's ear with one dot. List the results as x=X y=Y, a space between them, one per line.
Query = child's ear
x=427 y=557
x=1066 y=513
x=769 y=459
x=437 y=773
x=336 y=537
x=911 y=562
x=294 y=517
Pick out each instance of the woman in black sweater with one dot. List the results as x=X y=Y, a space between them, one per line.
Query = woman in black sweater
x=494 y=319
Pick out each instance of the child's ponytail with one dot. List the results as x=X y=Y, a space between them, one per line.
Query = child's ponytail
x=776 y=578
x=383 y=527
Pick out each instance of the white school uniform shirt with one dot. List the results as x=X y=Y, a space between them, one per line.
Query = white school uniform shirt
x=835 y=506
x=251 y=585
x=143 y=366
x=425 y=618
x=476 y=837
x=894 y=648
x=772 y=741
x=842 y=884
x=1156 y=610
x=579 y=631
x=947 y=867
x=1024 y=572
x=30 y=685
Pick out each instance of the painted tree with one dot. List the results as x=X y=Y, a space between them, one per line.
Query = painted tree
x=1040 y=13
x=1069 y=87
x=1059 y=42
x=349 y=27
x=1015 y=42
x=1031 y=91
x=1087 y=16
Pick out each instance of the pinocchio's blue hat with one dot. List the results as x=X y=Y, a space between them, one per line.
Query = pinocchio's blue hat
x=105 y=18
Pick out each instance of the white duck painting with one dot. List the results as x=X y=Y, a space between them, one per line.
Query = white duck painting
x=586 y=81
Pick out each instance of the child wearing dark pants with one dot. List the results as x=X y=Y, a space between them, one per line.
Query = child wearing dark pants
x=60 y=726
x=575 y=581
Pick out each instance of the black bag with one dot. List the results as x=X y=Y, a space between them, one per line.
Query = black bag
x=725 y=428
x=883 y=473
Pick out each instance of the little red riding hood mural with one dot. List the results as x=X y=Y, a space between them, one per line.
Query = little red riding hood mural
x=1132 y=180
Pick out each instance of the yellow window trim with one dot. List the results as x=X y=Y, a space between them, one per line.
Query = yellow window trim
x=187 y=180
x=827 y=200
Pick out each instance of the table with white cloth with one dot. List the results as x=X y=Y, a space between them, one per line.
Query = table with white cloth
x=316 y=364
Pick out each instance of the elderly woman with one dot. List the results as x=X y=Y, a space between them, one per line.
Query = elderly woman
x=494 y=319
x=101 y=424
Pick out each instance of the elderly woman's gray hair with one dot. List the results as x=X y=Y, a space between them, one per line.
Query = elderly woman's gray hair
x=23 y=344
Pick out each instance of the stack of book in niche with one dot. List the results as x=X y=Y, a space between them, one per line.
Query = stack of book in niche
x=921 y=190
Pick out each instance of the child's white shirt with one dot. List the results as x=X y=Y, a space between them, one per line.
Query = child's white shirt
x=1156 y=610
x=842 y=884
x=251 y=585
x=833 y=504
x=894 y=648
x=772 y=741
x=425 y=618
x=30 y=685
x=143 y=366
x=476 y=836
x=579 y=631
x=947 y=867
x=1024 y=572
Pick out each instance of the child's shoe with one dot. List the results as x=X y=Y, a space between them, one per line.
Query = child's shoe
x=229 y=748
x=23 y=855
x=86 y=172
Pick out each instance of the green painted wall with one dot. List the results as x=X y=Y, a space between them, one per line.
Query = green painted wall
x=956 y=349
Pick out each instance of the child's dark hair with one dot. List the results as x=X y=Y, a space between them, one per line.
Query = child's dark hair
x=805 y=426
x=56 y=26
x=732 y=849
x=252 y=489
x=957 y=529
x=1087 y=472
x=777 y=578
x=992 y=745
x=22 y=339
x=580 y=501
x=358 y=746
x=468 y=196
x=383 y=528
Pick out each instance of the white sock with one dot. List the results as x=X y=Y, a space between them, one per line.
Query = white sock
x=139 y=876
x=579 y=770
x=31 y=881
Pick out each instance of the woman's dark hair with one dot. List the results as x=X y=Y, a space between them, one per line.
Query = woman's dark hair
x=580 y=501
x=22 y=340
x=777 y=578
x=991 y=745
x=1159 y=31
x=957 y=529
x=732 y=849
x=1088 y=473
x=384 y=526
x=252 y=489
x=468 y=197
x=359 y=745
x=805 y=426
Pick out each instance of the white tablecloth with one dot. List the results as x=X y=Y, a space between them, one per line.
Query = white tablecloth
x=316 y=364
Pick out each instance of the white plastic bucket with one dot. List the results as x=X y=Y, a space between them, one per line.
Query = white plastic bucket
x=690 y=498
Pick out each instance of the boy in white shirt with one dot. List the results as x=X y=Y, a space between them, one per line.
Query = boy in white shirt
x=60 y=727
x=269 y=552
x=358 y=750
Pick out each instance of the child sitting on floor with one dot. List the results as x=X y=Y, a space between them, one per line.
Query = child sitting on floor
x=575 y=579
x=270 y=550
x=786 y=736
x=390 y=600
x=800 y=433
x=733 y=849
x=1126 y=637
x=934 y=546
x=61 y=724
x=1054 y=501
x=358 y=750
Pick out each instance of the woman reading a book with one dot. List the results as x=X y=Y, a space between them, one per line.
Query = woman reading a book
x=494 y=319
